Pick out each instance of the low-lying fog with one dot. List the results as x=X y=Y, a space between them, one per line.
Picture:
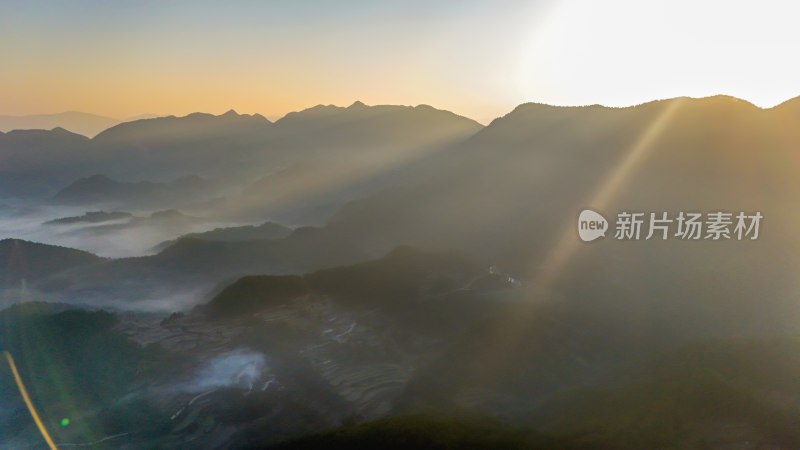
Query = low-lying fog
x=135 y=235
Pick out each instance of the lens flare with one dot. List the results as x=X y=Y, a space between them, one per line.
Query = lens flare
x=25 y=397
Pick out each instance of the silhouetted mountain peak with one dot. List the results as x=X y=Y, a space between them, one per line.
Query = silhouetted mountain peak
x=727 y=99
x=792 y=105
x=357 y=104
x=424 y=107
x=536 y=112
x=75 y=121
x=175 y=127
x=314 y=111
x=55 y=133
x=533 y=107
x=194 y=115
x=392 y=118
x=717 y=101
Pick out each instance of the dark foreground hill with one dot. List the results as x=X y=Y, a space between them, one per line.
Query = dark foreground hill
x=77 y=366
x=351 y=363
x=709 y=395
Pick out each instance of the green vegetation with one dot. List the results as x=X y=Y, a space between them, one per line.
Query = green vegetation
x=74 y=365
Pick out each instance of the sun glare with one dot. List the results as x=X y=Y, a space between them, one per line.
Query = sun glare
x=624 y=52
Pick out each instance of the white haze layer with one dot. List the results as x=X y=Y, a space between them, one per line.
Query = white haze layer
x=102 y=239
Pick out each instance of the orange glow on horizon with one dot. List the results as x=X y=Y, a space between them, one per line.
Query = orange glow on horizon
x=478 y=59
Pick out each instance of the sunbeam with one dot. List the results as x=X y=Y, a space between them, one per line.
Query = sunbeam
x=516 y=319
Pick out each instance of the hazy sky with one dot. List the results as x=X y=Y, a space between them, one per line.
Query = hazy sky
x=477 y=58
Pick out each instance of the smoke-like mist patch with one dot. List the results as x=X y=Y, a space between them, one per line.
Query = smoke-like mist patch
x=155 y=300
x=240 y=368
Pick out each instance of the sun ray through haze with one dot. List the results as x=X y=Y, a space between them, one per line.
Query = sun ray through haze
x=516 y=320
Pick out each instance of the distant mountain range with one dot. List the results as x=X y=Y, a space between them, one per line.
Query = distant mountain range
x=75 y=121
x=365 y=139
x=99 y=189
x=505 y=193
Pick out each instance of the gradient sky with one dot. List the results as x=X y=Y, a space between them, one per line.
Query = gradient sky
x=479 y=58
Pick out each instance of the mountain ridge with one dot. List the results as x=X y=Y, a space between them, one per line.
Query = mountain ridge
x=83 y=123
x=353 y=106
